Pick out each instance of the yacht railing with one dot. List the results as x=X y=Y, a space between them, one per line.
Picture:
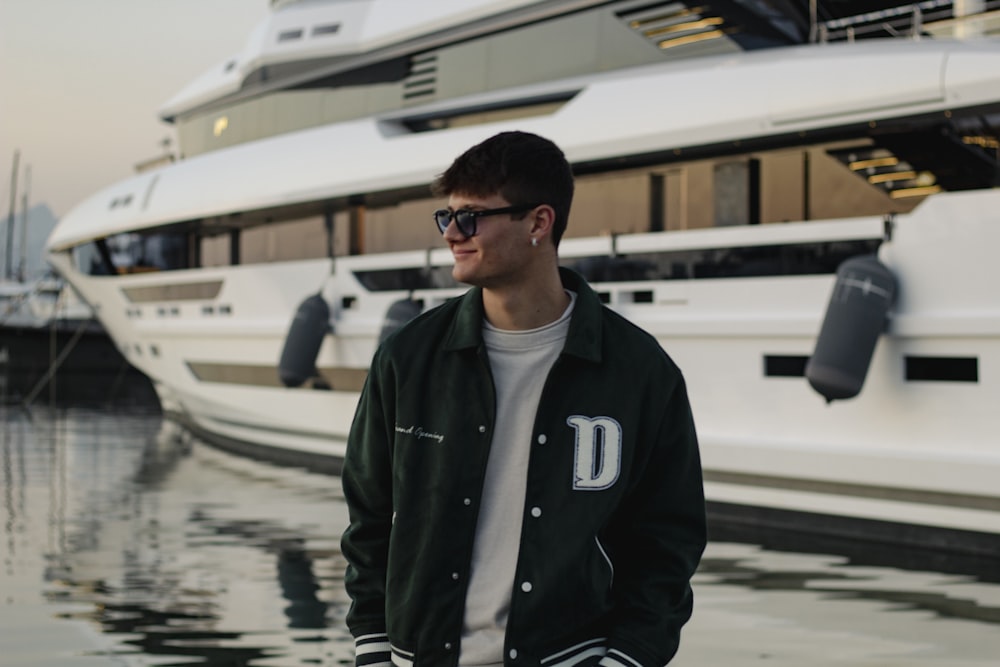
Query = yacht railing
x=913 y=21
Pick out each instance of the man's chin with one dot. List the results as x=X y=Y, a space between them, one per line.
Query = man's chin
x=465 y=277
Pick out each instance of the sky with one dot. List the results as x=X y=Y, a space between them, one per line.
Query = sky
x=82 y=82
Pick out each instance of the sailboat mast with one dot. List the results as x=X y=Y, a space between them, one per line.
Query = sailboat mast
x=10 y=217
x=22 y=264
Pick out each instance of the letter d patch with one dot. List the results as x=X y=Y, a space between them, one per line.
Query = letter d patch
x=598 y=458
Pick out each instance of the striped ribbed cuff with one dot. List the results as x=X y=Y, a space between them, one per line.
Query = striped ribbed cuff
x=372 y=651
x=615 y=658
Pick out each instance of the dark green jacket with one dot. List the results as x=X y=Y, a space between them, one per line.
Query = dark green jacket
x=614 y=518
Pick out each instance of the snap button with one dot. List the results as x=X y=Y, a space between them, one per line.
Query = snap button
x=467 y=501
x=526 y=587
x=513 y=654
x=542 y=439
x=536 y=512
x=454 y=575
x=447 y=646
x=482 y=428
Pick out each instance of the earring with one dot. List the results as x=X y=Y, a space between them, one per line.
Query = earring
x=534 y=241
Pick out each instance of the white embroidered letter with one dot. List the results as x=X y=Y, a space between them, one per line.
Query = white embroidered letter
x=598 y=458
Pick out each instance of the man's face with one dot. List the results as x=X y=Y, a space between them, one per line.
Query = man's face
x=498 y=254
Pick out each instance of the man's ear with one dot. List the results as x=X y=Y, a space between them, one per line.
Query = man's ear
x=542 y=219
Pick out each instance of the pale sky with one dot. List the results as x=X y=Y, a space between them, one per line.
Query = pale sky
x=82 y=82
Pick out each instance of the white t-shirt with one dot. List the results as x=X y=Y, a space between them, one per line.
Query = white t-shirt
x=520 y=362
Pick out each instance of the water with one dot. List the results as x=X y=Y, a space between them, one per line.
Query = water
x=126 y=543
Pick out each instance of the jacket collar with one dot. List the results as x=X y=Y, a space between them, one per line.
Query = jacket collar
x=583 y=339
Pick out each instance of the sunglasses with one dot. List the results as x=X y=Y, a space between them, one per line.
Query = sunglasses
x=465 y=219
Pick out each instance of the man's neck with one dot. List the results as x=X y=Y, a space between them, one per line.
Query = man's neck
x=527 y=306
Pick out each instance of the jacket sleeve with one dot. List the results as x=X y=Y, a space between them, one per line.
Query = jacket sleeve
x=659 y=533
x=367 y=484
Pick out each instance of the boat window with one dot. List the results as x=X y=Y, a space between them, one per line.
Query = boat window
x=785 y=365
x=738 y=262
x=134 y=253
x=164 y=251
x=327 y=29
x=88 y=260
x=405 y=279
x=942 y=369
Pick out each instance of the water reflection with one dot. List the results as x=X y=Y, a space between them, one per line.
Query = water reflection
x=128 y=543
x=299 y=587
x=172 y=550
x=838 y=582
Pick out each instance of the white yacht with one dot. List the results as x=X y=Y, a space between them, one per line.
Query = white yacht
x=727 y=165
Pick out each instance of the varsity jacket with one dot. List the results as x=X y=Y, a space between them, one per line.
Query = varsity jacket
x=614 y=515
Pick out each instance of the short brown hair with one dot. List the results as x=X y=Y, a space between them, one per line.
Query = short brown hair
x=521 y=167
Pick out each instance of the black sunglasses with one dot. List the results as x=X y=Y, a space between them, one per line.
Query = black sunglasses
x=465 y=219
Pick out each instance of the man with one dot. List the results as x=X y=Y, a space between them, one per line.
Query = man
x=522 y=472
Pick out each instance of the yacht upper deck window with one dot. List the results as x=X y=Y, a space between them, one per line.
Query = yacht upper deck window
x=289 y=35
x=328 y=29
x=120 y=201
